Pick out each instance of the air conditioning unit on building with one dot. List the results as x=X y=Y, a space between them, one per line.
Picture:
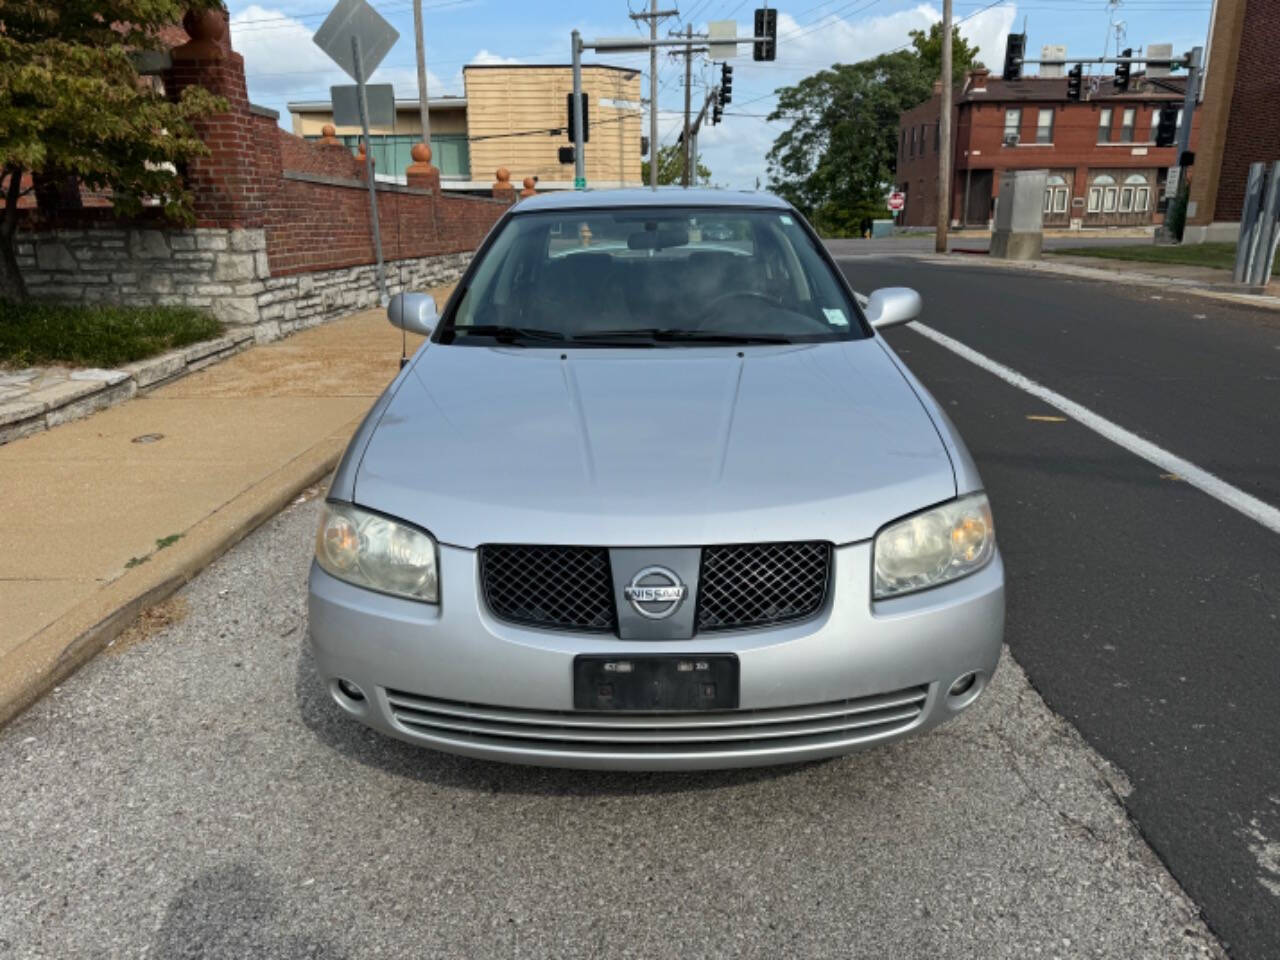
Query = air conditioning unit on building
x=1010 y=139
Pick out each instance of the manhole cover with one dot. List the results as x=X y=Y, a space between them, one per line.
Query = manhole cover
x=148 y=438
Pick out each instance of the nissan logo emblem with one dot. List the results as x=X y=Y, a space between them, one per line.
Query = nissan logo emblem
x=655 y=593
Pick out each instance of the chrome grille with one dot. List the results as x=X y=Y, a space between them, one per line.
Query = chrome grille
x=570 y=733
x=548 y=586
x=758 y=584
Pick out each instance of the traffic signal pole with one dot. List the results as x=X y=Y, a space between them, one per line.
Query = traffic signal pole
x=688 y=102
x=579 y=160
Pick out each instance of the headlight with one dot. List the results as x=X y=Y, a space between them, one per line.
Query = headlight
x=941 y=544
x=371 y=551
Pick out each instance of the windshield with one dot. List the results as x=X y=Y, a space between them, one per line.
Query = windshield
x=652 y=277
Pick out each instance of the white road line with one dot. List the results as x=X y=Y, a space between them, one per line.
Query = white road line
x=1203 y=480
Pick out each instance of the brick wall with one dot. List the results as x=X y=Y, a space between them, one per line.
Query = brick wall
x=1253 y=127
x=283 y=234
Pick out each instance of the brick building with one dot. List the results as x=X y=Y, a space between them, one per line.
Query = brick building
x=1104 y=167
x=1241 y=110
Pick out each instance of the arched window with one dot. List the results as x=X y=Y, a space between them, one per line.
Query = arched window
x=1103 y=194
x=1055 y=194
x=1135 y=195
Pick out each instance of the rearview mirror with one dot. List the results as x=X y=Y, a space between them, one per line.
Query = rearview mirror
x=414 y=312
x=890 y=306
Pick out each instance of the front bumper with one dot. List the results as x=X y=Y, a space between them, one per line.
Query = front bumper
x=454 y=678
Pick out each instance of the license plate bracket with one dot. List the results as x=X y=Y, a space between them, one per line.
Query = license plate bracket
x=655 y=682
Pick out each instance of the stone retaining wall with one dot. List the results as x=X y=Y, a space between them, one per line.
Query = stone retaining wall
x=225 y=271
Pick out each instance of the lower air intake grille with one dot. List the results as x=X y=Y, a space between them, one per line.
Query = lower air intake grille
x=546 y=586
x=758 y=584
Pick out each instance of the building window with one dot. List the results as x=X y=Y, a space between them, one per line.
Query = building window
x=391 y=152
x=1102 y=194
x=1012 y=123
x=912 y=151
x=902 y=142
x=1104 y=125
x=1044 y=126
x=937 y=136
x=1055 y=194
x=1155 y=124
x=1136 y=185
x=1127 y=120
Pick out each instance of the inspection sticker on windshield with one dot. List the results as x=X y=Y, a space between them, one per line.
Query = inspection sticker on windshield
x=786 y=219
x=835 y=316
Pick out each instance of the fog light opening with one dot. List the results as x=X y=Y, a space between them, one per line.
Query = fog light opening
x=963 y=685
x=351 y=691
x=965 y=689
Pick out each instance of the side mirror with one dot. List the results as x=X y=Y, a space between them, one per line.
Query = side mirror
x=414 y=312
x=890 y=306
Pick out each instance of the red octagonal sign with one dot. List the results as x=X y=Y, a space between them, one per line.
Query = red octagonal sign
x=897 y=200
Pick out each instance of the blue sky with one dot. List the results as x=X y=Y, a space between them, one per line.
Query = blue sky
x=283 y=64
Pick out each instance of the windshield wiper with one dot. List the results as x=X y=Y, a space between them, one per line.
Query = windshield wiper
x=643 y=334
x=505 y=334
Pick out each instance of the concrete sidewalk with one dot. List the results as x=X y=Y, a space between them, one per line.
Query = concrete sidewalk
x=103 y=517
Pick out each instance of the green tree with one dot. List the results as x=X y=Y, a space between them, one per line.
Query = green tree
x=839 y=157
x=73 y=108
x=671 y=166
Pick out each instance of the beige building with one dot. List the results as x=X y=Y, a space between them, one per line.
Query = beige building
x=505 y=119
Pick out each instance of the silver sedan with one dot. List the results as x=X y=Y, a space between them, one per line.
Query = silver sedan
x=655 y=494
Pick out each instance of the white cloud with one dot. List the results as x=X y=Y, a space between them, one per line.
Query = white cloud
x=735 y=151
x=486 y=58
x=282 y=63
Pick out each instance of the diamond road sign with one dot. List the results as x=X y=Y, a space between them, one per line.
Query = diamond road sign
x=355 y=18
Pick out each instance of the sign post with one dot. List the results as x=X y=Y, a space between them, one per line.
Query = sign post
x=356 y=38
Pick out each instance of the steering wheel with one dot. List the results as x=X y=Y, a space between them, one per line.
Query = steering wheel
x=724 y=298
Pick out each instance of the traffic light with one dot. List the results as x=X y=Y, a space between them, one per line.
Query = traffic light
x=1075 y=80
x=726 y=85
x=1123 y=70
x=767 y=27
x=1015 y=49
x=586 y=124
x=716 y=113
x=1167 y=126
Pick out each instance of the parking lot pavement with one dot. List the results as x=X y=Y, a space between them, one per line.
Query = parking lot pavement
x=194 y=793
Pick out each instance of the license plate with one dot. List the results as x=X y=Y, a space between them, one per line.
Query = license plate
x=656 y=682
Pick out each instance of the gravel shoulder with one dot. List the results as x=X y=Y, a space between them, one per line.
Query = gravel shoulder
x=193 y=793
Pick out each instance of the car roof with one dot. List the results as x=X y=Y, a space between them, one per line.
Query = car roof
x=637 y=197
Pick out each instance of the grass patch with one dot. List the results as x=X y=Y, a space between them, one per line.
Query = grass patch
x=1221 y=256
x=37 y=333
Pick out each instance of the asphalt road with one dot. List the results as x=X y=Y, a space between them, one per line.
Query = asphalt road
x=193 y=793
x=1144 y=611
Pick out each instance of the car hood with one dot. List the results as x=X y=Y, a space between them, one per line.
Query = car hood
x=647 y=447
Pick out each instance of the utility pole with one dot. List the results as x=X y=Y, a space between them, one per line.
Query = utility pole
x=422 y=72
x=944 y=136
x=579 y=161
x=653 y=16
x=688 y=101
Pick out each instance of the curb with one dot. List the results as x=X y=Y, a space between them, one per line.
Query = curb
x=60 y=648
x=1169 y=284
x=94 y=390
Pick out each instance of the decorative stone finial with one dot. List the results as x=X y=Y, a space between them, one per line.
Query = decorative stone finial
x=528 y=190
x=421 y=153
x=328 y=134
x=207 y=29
